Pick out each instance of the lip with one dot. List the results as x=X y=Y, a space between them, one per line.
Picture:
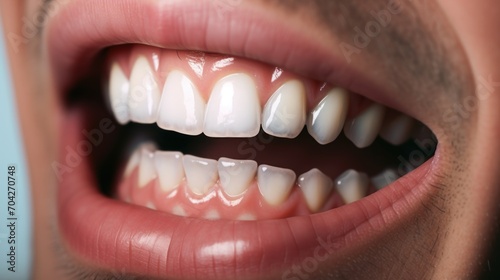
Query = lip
x=117 y=236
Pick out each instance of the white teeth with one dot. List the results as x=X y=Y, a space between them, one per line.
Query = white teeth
x=169 y=169
x=182 y=108
x=235 y=176
x=316 y=187
x=147 y=171
x=352 y=185
x=285 y=112
x=233 y=109
x=384 y=179
x=201 y=173
x=119 y=87
x=275 y=183
x=398 y=130
x=363 y=129
x=133 y=162
x=327 y=120
x=144 y=93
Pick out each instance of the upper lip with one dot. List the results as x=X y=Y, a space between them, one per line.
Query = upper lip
x=82 y=28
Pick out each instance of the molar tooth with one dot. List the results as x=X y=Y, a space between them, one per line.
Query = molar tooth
x=182 y=108
x=363 y=129
x=147 y=171
x=235 y=176
x=398 y=130
x=316 y=187
x=285 y=112
x=384 y=178
x=119 y=88
x=327 y=120
x=352 y=185
x=275 y=184
x=201 y=173
x=169 y=169
x=233 y=109
x=144 y=93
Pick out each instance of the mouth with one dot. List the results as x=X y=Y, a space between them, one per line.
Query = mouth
x=195 y=150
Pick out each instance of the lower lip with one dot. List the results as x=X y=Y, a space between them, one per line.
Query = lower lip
x=116 y=236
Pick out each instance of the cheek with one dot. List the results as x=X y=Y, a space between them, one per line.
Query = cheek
x=468 y=18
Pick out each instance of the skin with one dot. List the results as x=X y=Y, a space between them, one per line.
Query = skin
x=449 y=46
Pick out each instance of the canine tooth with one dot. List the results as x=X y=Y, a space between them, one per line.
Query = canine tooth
x=384 y=179
x=363 y=129
x=144 y=93
x=119 y=88
x=352 y=185
x=285 y=112
x=316 y=187
x=182 y=108
x=201 y=173
x=235 y=176
x=169 y=169
x=147 y=170
x=398 y=130
x=327 y=120
x=233 y=109
x=275 y=183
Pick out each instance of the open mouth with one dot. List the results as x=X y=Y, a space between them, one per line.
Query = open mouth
x=191 y=158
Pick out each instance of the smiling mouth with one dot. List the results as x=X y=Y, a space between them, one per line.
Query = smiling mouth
x=221 y=165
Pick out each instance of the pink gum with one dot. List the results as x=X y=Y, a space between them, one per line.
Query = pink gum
x=251 y=205
x=205 y=69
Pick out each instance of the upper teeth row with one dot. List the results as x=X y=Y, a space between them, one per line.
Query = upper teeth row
x=234 y=110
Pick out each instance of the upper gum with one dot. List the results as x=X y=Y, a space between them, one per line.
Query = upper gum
x=164 y=61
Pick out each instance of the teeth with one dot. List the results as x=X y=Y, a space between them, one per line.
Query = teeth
x=133 y=162
x=275 y=183
x=363 y=129
x=384 y=179
x=144 y=93
x=182 y=108
x=236 y=175
x=327 y=119
x=316 y=187
x=169 y=169
x=201 y=173
x=352 y=185
x=285 y=112
x=398 y=130
x=233 y=109
x=147 y=171
x=119 y=87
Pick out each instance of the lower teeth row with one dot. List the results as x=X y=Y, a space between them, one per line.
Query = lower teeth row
x=235 y=180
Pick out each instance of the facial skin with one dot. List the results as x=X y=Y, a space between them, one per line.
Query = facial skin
x=429 y=62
